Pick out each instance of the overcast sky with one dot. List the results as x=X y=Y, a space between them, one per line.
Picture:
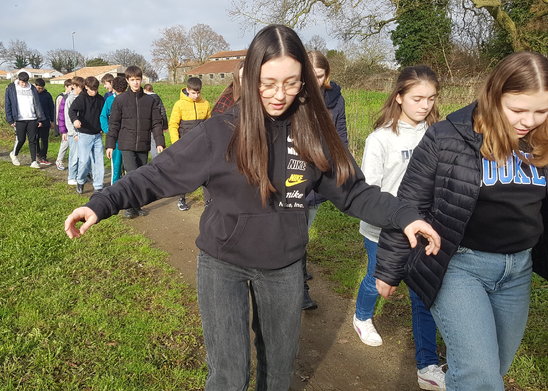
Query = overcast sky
x=104 y=26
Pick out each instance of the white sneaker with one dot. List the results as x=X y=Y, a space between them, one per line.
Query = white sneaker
x=367 y=332
x=34 y=164
x=431 y=378
x=14 y=159
x=72 y=182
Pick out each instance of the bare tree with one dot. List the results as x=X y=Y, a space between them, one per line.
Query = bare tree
x=3 y=54
x=65 y=61
x=204 y=42
x=316 y=43
x=294 y=14
x=128 y=57
x=171 y=49
x=348 y=18
x=17 y=53
x=125 y=57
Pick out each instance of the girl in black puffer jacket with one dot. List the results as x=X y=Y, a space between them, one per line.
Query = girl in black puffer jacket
x=480 y=179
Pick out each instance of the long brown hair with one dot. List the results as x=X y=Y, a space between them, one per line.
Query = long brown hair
x=518 y=73
x=408 y=78
x=312 y=128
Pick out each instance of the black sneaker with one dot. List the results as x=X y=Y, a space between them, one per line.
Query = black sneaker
x=141 y=212
x=182 y=205
x=131 y=213
x=80 y=188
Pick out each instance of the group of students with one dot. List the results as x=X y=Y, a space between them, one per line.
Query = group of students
x=465 y=231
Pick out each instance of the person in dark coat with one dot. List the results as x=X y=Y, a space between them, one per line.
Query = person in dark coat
x=480 y=178
x=334 y=101
x=48 y=107
x=24 y=113
x=134 y=118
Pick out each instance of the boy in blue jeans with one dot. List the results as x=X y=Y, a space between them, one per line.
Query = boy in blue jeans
x=84 y=115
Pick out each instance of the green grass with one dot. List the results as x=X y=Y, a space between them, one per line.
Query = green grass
x=103 y=312
x=335 y=244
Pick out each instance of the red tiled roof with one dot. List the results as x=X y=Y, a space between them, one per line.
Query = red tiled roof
x=229 y=53
x=223 y=66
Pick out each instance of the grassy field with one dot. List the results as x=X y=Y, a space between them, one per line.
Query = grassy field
x=103 y=312
x=97 y=316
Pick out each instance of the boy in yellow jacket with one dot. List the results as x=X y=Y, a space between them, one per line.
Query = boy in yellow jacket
x=188 y=111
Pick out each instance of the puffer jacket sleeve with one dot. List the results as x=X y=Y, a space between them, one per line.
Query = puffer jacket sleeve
x=339 y=117
x=174 y=120
x=157 y=131
x=10 y=104
x=417 y=187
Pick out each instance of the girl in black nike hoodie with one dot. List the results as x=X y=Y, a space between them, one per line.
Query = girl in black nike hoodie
x=258 y=162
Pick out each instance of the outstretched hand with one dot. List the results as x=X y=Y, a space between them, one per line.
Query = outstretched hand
x=424 y=229
x=84 y=214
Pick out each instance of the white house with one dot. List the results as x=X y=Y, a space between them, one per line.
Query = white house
x=34 y=73
x=98 y=72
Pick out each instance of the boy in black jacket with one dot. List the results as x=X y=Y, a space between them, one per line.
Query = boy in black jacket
x=84 y=114
x=134 y=116
x=46 y=101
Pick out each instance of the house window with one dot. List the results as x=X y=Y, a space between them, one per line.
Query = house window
x=222 y=75
x=211 y=75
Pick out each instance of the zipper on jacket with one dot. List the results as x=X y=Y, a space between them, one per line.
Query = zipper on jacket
x=137 y=128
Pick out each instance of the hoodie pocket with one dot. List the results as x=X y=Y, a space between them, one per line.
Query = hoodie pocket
x=267 y=240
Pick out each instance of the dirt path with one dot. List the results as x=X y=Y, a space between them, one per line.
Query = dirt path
x=331 y=356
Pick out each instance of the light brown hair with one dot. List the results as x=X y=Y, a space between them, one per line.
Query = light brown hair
x=518 y=73
x=409 y=77
x=312 y=130
x=318 y=60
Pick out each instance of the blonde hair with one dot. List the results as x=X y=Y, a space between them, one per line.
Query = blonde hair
x=408 y=78
x=518 y=73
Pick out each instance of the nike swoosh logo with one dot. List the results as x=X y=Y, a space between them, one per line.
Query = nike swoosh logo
x=291 y=182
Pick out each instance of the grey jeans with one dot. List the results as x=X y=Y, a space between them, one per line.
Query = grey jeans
x=224 y=290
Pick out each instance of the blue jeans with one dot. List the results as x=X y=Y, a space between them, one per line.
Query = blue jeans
x=223 y=296
x=481 y=311
x=73 y=158
x=424 y=327
x=90 y=154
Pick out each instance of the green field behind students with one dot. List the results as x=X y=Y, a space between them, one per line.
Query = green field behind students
x=99 y=314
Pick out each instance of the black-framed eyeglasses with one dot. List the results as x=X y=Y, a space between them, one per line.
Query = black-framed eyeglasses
x=290 y=88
